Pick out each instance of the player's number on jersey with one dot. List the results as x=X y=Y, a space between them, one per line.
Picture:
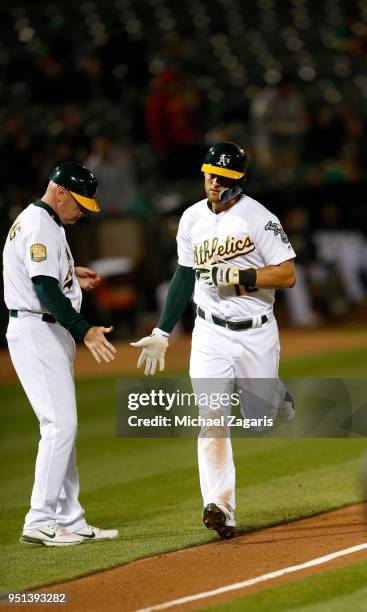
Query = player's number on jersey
x=15 y=228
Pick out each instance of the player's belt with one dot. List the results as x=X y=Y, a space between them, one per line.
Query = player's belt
x=233 y=325
x=47 y=318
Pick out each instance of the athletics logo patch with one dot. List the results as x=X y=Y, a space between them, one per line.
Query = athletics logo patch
x=278 y=231
x=38 y=252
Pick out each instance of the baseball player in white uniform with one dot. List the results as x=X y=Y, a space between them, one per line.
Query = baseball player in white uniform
x=233 y=253
x=43 y=292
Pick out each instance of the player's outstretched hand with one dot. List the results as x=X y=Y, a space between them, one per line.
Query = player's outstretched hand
x=97 y=343
x=154 y=350
x=217 y=275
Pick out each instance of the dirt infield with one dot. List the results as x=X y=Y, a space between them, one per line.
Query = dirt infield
x=293 y=343
x=157 y=580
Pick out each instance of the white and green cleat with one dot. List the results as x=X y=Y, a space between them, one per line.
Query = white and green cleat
x=95 y=533
x=50 y=535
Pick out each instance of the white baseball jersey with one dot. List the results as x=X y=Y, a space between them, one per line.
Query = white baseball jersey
x=36 y=246
x=247 y=235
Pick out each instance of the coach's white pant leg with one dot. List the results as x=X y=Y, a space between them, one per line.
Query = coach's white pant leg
x=211 y=371
x=42 y=355
x=69 y=512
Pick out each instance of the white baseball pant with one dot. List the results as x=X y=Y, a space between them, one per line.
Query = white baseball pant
x=43 y=354
x=219 y=358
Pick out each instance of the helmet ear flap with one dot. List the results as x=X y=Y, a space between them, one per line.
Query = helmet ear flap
x=230 y=193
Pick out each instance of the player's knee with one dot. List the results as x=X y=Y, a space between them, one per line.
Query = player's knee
x=60 y=430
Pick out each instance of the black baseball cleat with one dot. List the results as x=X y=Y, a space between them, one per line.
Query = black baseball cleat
x=220 y=521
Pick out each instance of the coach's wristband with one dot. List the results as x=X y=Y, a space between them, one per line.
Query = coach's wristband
x=159 y=332
x=247 y=278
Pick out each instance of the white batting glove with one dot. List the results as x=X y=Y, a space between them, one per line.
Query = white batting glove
x=154 y=350
x=218 y=275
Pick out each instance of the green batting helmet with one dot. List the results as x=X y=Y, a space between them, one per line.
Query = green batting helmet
x=226 y=159
x=80 y=181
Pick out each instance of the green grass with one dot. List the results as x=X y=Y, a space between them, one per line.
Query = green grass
x=340 y=590
x=346 y=364
x=144 y=487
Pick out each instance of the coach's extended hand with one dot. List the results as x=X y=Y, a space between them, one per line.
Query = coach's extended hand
x=154 y=350
x=98 y=344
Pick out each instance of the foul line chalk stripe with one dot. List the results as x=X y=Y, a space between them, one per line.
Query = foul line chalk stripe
x=246 y=583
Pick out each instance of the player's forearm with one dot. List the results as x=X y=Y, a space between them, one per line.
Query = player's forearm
x=53 y=300
x=179 y=293
x=275 y=277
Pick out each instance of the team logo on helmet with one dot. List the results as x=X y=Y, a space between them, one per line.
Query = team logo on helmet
x=224 y=160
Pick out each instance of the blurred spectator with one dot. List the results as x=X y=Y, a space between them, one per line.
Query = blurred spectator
x=67 y=139
x=354 y=142
x=16 y=152
x=172 y=116
x=124 y=61
x=299 y=300
x=114 y=168
x=88 y=74
x=345 y=250
x=228 y=131
x=335 y=145
x=278 y=121
x=73 y=133
x=324 y=135
x=49 y=80
x=350 y=36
